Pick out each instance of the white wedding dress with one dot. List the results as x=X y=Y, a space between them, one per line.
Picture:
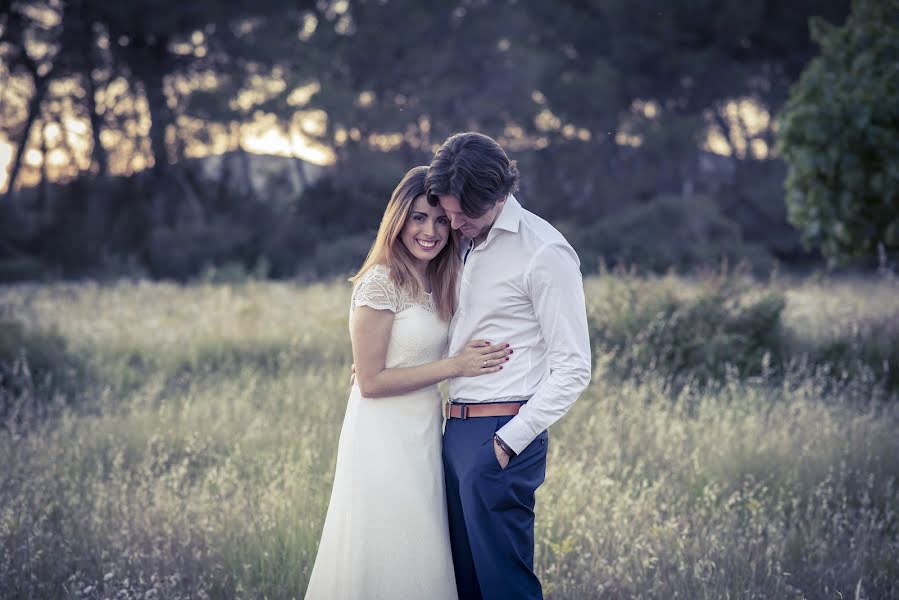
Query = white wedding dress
x=386 y=534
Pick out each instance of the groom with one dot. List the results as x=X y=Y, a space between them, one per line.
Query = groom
x=521 y=284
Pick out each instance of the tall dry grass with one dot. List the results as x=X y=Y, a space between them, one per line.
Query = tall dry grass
x=175 y=442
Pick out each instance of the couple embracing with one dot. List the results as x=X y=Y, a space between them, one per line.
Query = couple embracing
x=462 y=284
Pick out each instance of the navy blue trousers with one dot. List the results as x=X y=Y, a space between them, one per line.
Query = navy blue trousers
x=491 y=511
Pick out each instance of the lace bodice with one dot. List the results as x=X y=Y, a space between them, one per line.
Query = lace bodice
x=418 y=335
x=377 y=290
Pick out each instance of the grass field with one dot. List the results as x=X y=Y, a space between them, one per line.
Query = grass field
x=166 y=441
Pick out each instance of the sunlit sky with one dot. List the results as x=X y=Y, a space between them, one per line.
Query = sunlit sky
x=5 y=160
x=263 y=135
x=259 y=136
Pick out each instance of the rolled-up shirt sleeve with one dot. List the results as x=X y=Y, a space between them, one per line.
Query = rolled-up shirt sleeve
x=553 y=278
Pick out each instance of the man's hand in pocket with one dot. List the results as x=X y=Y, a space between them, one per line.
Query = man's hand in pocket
x=501 y=457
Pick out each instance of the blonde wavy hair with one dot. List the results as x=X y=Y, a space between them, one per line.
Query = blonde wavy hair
x=388 y=249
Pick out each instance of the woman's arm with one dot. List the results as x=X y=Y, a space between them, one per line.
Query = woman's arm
x=370 y=334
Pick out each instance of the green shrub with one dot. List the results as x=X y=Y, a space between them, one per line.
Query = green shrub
x=20 y=268
x=233 y=272
x=670 y=231
x=342 y=255
x=714 y=327
x=178 y=252
x=36 y=369
x=851 y=326
x=724 y=324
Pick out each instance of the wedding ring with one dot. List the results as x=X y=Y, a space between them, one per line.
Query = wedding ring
x=485 y=364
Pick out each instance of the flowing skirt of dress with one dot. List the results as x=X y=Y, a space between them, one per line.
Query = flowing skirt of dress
x=386 y=533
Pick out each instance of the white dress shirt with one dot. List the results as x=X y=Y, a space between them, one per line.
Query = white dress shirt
x=522 y=285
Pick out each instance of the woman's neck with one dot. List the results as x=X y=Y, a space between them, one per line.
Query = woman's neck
x=422 y=272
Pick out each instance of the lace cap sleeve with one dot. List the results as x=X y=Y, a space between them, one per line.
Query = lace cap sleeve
x=377 y=290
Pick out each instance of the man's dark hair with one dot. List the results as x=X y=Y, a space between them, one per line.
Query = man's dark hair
x=473 y=168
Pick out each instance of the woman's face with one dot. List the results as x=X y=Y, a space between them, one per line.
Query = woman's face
x=426 y=231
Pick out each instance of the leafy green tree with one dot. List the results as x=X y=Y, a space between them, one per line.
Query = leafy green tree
x=840 y=136
x=686 y=59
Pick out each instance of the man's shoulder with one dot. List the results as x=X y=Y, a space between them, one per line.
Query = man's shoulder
x=538 y=232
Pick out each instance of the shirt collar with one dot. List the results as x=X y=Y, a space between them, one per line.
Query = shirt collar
x=508 y=220
x=510 y=216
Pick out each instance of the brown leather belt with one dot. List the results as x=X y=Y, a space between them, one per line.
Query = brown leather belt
x=493 y=409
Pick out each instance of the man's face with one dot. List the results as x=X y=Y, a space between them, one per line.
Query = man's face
x=470 y=227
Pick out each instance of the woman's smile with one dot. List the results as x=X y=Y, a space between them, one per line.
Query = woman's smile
x=427 y=244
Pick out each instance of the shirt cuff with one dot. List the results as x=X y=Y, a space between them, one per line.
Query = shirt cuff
x=516 y=434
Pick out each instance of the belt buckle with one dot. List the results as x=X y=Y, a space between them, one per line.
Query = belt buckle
x=463 y=410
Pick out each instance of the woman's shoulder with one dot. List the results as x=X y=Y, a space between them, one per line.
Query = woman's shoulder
x=378 y=271
x=376 y=288
x=378 y=275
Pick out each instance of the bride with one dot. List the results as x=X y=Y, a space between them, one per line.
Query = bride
x=386 y=533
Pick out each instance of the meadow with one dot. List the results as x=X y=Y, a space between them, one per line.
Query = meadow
x=739 y=439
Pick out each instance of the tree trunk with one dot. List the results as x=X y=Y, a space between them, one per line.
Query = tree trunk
x=300 y=167
x=42 y=186
x=161 y=118
x=34 y=105
x=250 y=188
x=150 y=67
x=81 y=18
x=148 y=62
x=98 y=152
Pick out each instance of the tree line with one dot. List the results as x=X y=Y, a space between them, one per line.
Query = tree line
x=627 y=118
